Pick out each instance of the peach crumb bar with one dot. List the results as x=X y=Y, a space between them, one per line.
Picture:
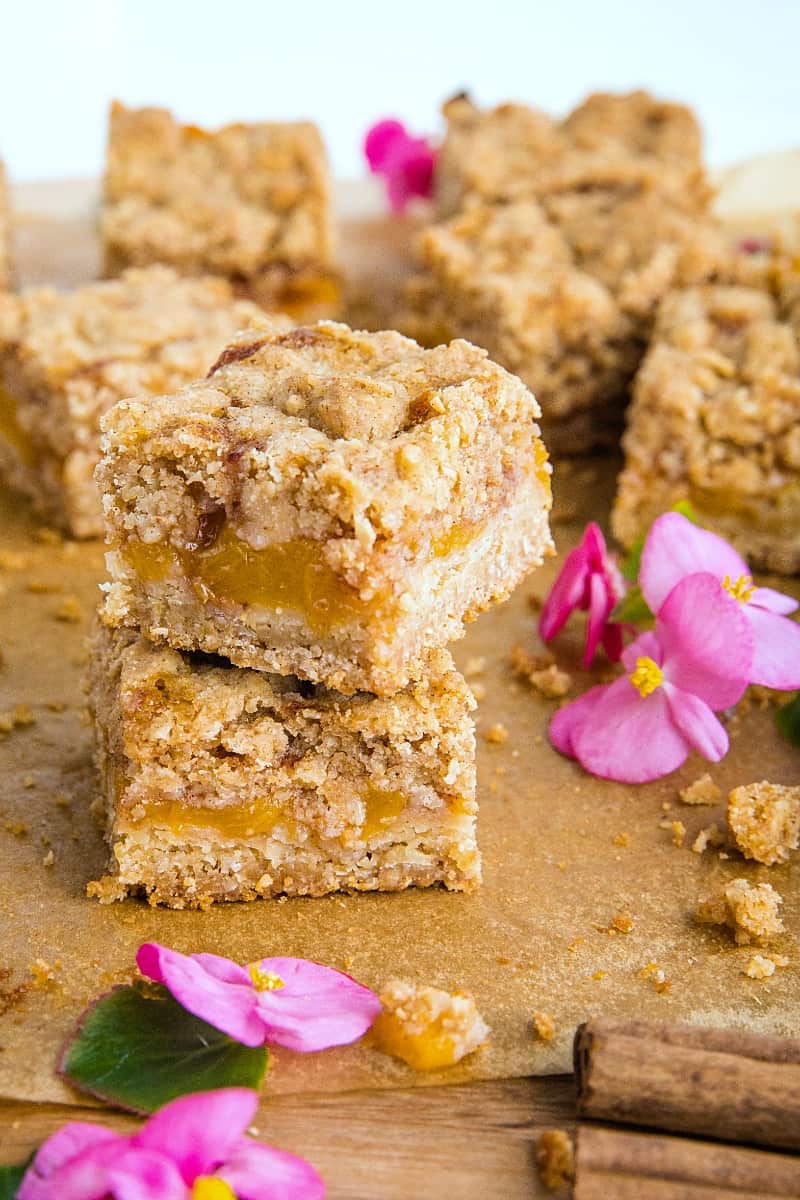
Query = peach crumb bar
x=556 y=240
x=248 y=201
x=66 y=357
x=715 y=420
x=5 y=233
x=328 y=504
x=220 y=783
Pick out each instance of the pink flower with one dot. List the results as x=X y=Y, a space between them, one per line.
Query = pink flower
x=590 y=580
x=754 y=245
x=405 y=162
x=644 y=724
x=676 y=548
x=192 y=1149
x=281 y=1001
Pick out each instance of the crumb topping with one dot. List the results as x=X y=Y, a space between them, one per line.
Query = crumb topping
x=764 y=819
x=750 y=911
x=555 y=1158
x=702 y=790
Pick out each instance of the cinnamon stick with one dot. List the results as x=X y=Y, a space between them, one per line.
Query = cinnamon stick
x=651 y=1166
x=730 y=1085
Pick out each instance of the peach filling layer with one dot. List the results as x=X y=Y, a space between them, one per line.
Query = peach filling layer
x=427 y=1050
x=11 y=430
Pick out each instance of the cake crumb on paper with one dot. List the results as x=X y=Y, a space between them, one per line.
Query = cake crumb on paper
x=544 y=1026
x=70 y=610
x=702 y=791
x=427 y=1027
x=497 y=734
x=710 y=835
x=750 y=911
x=555 y=1158
x=764 y=819
x=761 y=966
x=541 y=672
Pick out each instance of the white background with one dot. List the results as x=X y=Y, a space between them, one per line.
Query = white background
x=345 y=64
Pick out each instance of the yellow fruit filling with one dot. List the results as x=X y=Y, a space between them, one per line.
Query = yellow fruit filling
x=428 y=1050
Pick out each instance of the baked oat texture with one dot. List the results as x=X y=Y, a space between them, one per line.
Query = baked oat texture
x=749 y=910
x=329 y=504
x=764 y=819
x=251 y=202
x=67 y=357
x=427 y=1027
x=219 y=783
x=558 y=240
x=5 y=233
x=715 y=420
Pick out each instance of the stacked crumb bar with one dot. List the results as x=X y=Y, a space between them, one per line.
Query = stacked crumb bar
x=292 y=543
x=556 y=240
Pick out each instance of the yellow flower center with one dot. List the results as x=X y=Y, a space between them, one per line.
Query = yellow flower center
x=207 y=1188
x=264 y=981
x=647 y=677
x=742 y=590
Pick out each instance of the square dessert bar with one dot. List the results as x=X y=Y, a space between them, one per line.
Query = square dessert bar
x=251 y=202
x=328 y=504
x=227 y=784
x=715 y=420
x=5 y=233
x=66 y=357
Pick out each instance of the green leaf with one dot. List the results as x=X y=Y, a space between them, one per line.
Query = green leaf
x=632 y=608
x=630 y=566
x=788 y=720
x=137 y=1048
x=10 y=1179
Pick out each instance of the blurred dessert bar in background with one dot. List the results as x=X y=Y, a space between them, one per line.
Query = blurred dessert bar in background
x=219 y=783
x=250 y=202
x=5 y=233
x=67 y=357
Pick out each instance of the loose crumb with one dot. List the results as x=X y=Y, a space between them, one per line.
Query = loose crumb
x=426 y=1027
x=761 y=967
x=18 y=718
x=42 y=974
x=677 y=828
x=497 y=733
x=764 y=819
x=750 y=911
x=555 y=1158
x=542 y=673
x=622 y=922
x=544 y=1026
x=621 y=839
x=48 y=859
x=70 y=610
x=29 y=781
x=711 y=835
x=474 y=666
x=702 y=791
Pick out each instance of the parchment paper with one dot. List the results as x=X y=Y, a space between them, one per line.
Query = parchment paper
x=563 y=853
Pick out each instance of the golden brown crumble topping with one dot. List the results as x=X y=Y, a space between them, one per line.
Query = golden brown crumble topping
x=555 y=1158
x=542 y=673
x=544 y=1026
x=711 y=835
x=749 y=910
x=763 y=967
x=764 y=819
x=702 y=790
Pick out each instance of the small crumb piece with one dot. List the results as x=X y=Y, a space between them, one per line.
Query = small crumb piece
x=764 y=819
x=544 y=1026
x=749 y=910
x=542 y=673
x=711 y=835
x=426 y=1027
x=20 y=716
x=13 y=560
x=599 y=974
x=48 y=859
x=42 y=973
x=678 y=832
x=621 y=839
x=702 y=791
x=555 y=1158
x=622 y=922
x=497 y=733
x=759 y=967
x=474 y=666
x=29 y=781
x=69 y=610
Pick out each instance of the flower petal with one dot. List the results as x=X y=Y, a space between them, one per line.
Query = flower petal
x=675 y=548
x=145 y=1175
x=258 y=1172
x=82 y=1177
x=647 y=645
x=600 y=605
x=380 y=142
x=697 y=723
x=570 y=719
x=613 y=641
x=224 y=969
x=707 y=640
x=565 y=595
x=630 y=738
x=776 y=658
x=199 y=1131
x=68 y=1142
x=228 y=1006
x=777 y=602
x=317 y=1007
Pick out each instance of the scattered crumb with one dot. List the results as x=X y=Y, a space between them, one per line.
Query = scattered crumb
x=621 y=839
x=478 y=690
x=555 y=1158
x=657 y=976
x=13 y=560
x=61 y=800
x=544 y=1026
x=599 y=974
x=42 y=974
x=764 y=819
x=70 y=609
x=678 y=832
x=759 y=967
x=48 y=537
x=749 y=910
x=18 y=828
x=474 y=666
x=48 y=859
x=497 y=733
x=711 y=835
x=426 y=1027
x=542 y=673
x=622 y=922
x=28 y=781
x=575 y=943
x=19 y=717
x=702 y=791
x=536 y=602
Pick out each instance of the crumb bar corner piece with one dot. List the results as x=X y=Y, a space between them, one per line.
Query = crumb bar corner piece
x=329 y=504
x=226 y=784
x=715 y=420
x=251 y=202
x=66 y=357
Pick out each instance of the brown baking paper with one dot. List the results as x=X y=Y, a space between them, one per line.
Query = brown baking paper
x=563 y=852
